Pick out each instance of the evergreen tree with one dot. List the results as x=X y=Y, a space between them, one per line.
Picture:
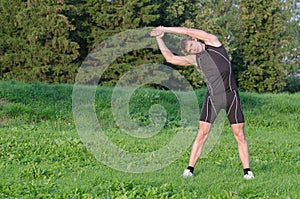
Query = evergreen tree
x=176 y=12
x=41 y=48
x=9 y=35
x=106 y=18
x=263 y=44
x=293 y=57
x=47 y=40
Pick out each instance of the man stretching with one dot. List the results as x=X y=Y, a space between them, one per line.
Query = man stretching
x=212 y=59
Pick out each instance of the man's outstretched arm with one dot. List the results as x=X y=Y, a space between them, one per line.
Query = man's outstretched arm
x=169 y=56
x=207 y=38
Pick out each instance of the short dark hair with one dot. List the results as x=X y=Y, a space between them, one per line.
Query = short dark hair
x=183 y=43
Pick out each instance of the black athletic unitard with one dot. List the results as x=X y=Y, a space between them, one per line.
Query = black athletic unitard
x=222 y=88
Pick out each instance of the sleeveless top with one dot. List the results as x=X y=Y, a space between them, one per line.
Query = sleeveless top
x=216 y=67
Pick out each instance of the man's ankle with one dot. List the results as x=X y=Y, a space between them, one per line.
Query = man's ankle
x=191 y=169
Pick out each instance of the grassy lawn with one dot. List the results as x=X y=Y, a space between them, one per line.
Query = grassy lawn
x=43 y=156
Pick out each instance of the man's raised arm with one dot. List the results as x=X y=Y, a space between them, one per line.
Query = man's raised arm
x=207 y=38
x=169 y=56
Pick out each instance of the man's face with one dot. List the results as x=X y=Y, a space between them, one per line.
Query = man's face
x=194 y=47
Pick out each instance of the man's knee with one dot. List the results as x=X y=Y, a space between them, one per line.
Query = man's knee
x=238 y=130
x=203 y=131
x=240 y=137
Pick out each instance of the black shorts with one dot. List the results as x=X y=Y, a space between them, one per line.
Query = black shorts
x=230 y=101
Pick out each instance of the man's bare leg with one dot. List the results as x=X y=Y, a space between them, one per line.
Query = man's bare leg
x=202 y=135
x=239 y=134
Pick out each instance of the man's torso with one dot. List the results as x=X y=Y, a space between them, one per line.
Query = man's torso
x=216 y=67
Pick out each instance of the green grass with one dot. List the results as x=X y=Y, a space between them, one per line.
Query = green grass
x=42 y=156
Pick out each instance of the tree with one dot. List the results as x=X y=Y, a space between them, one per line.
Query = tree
x=40 y=47
x=263 y=45
x=106 y=18
x=9 y=41
x=47 y=40
x=293 y=57
x=176 y=12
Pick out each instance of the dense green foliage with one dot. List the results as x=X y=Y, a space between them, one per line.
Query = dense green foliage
x=48 y=40
x=260 y=54
x=35 y=43
x=42 y=156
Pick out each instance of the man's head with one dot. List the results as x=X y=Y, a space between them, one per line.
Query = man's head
x=191 y=46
